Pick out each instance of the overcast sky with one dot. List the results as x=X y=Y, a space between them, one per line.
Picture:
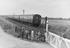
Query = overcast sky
x=50 y=8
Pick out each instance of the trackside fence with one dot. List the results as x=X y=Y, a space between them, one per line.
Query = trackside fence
x=57 y=41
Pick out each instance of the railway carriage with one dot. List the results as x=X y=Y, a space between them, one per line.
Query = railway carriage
x=34 y=26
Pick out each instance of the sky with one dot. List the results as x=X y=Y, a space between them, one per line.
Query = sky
x=50 y=8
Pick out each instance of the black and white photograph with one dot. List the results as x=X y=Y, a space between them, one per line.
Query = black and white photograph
x=34 y=23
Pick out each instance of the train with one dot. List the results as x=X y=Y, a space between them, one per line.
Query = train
x=33 y=19
x=34 y=29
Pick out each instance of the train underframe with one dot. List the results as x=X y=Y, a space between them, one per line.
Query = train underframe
x=31 y=35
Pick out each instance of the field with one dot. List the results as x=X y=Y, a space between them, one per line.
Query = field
x=60 y=27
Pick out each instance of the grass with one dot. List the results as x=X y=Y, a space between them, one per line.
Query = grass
x=60 y=27
x=7 y=26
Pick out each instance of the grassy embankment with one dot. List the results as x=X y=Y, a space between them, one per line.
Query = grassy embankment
x=7 y=26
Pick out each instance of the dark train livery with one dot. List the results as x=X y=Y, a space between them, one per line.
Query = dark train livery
x=33 y=19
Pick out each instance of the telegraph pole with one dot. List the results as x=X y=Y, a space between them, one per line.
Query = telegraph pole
x=23 y=11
